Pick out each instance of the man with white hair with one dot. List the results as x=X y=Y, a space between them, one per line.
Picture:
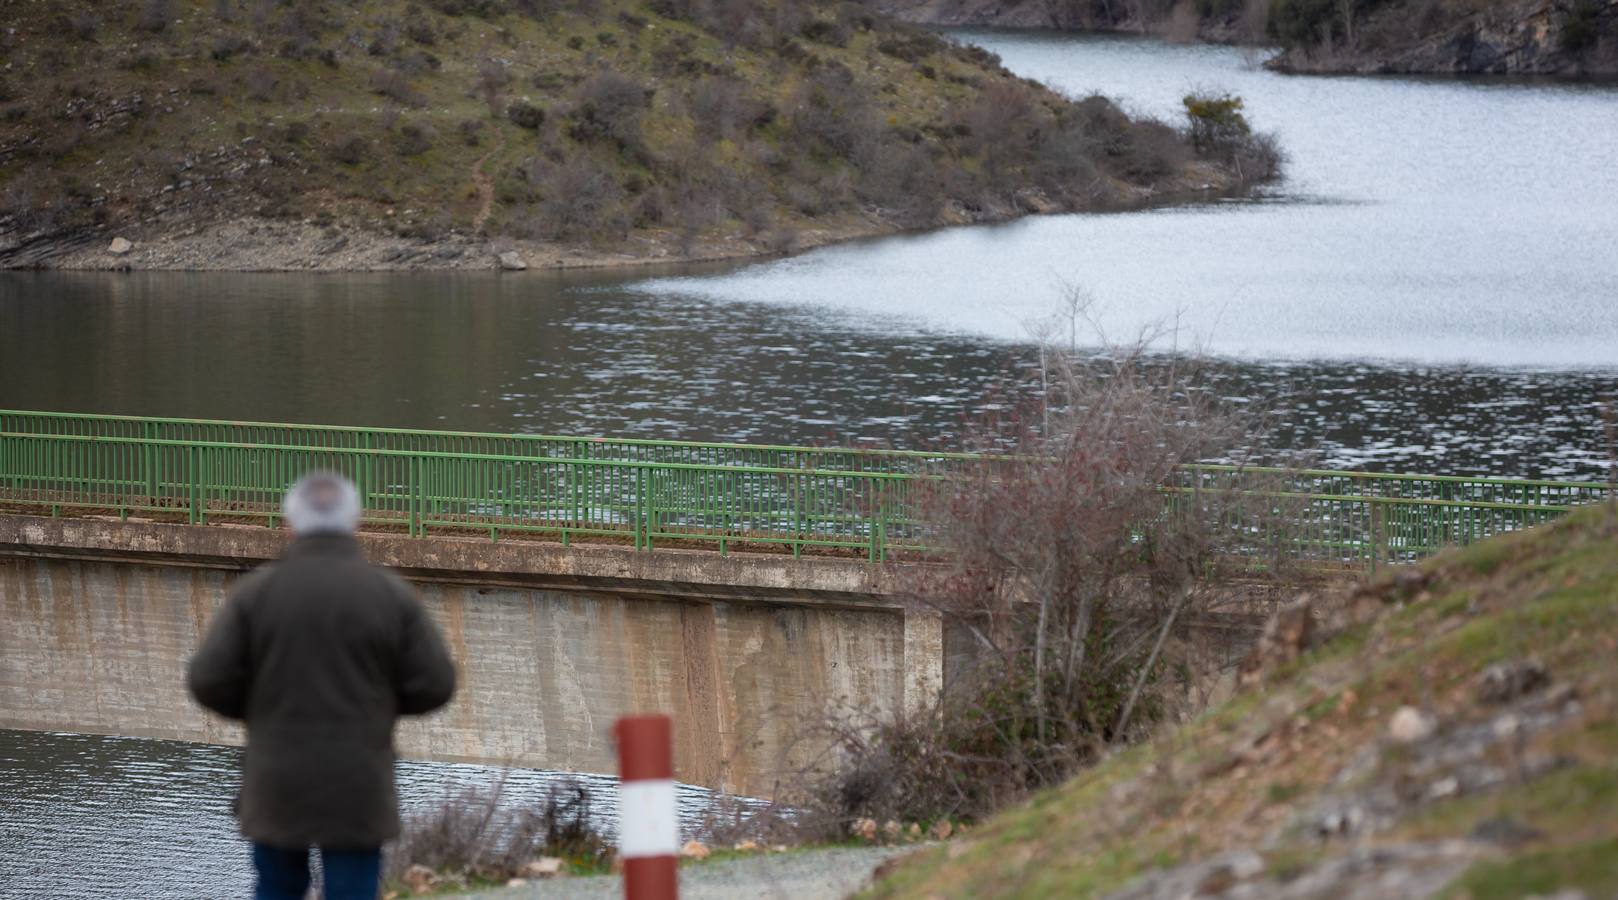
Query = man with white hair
x=319 y=653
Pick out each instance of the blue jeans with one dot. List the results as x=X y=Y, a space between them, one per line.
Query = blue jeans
x=349 y=874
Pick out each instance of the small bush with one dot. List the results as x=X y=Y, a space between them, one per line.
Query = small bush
x=1220 y=131
x=260 y=83
x=83 y=25
x=525 y=115
x=609 y=106
x=1581 y=27
x=396 y=86
x=228 y=46
x=351 y=151
x=476 y=832
x=1303 y=23
x=471 y=132
x=415 y=138
x=1217 y=123
x=154 y=16
x=420 y=30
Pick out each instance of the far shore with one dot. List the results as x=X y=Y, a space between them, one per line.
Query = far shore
x=254 y=244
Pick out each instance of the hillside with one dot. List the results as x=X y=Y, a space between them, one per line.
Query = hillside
x=1457 y=737
x=1568 y=38
x=242 y=134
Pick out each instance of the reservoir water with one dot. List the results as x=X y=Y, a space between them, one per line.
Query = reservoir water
x=1433 y=287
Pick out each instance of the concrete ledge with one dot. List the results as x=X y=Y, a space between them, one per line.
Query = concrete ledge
x=686 y=574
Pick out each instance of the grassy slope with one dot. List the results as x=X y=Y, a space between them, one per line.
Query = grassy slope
x=106 y=124
x=1246 y=775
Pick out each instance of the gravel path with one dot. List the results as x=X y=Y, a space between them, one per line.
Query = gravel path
x=804 y=875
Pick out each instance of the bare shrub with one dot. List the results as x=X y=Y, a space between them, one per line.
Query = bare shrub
x=720 y=106
x=228 y=46
x=1153 y=150
x=260 y=83
x=84 y=25
x=580 y=200
x=492 y=80
x=1001 y=124
x=1079 y=557
x=351 y=151
x=473 y=832
x=834 y=114
x=154 y=16
x=609 y=106
x=396 y=86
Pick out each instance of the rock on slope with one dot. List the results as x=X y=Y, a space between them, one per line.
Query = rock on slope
x=1456 y=735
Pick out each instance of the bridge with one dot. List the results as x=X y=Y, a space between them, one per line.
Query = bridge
x=737 y=586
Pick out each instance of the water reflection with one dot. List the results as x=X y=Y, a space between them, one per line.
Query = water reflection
x=1434 y=221
x=90 y=816
x=594 y=354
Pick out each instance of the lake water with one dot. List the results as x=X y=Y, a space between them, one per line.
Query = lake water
x=1434 y=287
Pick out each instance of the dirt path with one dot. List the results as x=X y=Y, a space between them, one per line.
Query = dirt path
x=485 y=185
x=830 y=874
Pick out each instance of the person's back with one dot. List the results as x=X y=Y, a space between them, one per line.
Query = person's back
x=319 y=653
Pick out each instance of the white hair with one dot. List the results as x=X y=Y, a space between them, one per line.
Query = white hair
x=322 y=503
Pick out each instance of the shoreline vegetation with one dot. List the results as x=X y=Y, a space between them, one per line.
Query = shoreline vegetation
x=248 y=135
x=1575 y=40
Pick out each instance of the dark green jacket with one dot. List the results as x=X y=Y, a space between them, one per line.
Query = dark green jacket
x=319 y=653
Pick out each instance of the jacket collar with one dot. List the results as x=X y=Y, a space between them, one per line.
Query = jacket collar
x=324 y=545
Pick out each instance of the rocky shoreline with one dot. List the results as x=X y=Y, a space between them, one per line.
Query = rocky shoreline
x=1528 y=38
x=1514 y=38
x=250 y=243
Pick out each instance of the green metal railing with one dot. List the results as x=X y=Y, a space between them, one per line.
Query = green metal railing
x=648 y=493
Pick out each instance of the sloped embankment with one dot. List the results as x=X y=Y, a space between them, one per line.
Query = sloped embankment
x=1450 y=730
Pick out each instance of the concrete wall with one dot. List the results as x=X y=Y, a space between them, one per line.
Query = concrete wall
x=553 y=644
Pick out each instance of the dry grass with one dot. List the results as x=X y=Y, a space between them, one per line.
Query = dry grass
x=1247 y=774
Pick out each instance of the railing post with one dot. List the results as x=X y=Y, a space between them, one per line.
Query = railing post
x=415 y=496
x=1378 y=538
x=150 y=462
x=646 y=483
x=878 y=526
x=194 y=483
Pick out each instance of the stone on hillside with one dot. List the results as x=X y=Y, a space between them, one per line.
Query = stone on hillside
x=1287 y=635
x=120 y=246
x=544 y=867
x=420 y=879
x=1410 y=725
x=512 y=261
x=1504 y=682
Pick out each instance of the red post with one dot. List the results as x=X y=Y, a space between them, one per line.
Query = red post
x=648 y=826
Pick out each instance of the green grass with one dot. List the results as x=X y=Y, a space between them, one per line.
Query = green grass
x=1592 y=867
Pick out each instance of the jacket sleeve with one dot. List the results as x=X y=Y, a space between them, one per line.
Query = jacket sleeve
x=425 y=678
x=221 y=671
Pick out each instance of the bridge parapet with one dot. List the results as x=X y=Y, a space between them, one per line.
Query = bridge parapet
x=832 y=501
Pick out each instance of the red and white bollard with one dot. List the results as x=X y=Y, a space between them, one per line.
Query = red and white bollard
x=648 y=825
